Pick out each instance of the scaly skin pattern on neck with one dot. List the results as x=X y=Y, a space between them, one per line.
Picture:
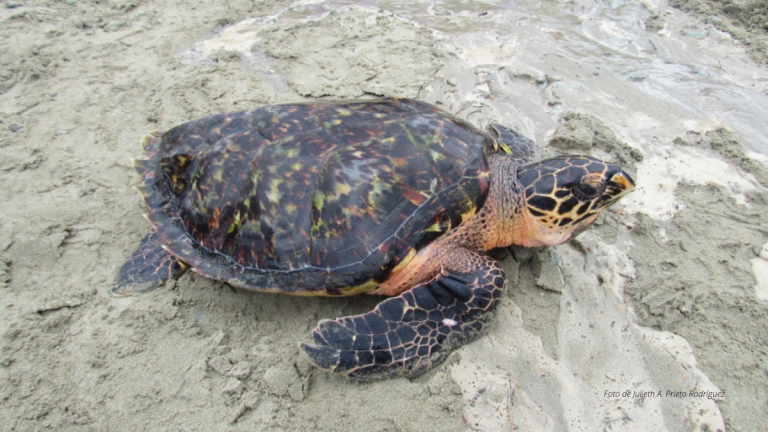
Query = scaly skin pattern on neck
x=498 y=224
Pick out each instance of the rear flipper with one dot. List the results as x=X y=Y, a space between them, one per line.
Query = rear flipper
x=149 y=267
x=409 y=334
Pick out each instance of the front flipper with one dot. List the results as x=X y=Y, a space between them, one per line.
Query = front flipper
x=409 y=334
x=521 y=146
x=149 y=267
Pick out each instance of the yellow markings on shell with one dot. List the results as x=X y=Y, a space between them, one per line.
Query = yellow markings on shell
x=316 y=227
x=377 y=188
x=290 y=208
x=273 y=195
x=340 y=292
x=429 y=140
x=353 y=211
x=235 y=223
x=359 y=289
x=435 y=227
x=318 y=198
x=343 y=188
x=435 y=155
x=219 y=174
x=345 y=112
x=297 y=166
x=292 y=152
x=149 y=137
x=405 y=261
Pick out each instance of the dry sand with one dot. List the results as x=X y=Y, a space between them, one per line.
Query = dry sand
x=660 y=296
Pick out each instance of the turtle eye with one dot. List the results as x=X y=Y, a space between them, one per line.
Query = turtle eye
x=588 y=191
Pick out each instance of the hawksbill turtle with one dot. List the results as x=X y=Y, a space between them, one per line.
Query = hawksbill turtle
x=389 y=196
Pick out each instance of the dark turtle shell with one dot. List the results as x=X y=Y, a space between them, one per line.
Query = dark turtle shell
x=313 y=199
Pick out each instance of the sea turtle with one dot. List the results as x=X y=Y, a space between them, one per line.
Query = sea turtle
x=389 y=196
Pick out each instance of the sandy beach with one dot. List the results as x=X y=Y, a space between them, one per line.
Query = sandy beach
x=655 y=319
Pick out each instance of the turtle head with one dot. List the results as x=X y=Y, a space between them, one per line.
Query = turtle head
x=565 y=195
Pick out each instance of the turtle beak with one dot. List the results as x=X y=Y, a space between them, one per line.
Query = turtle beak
x=619 y=184
x=623 y=181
